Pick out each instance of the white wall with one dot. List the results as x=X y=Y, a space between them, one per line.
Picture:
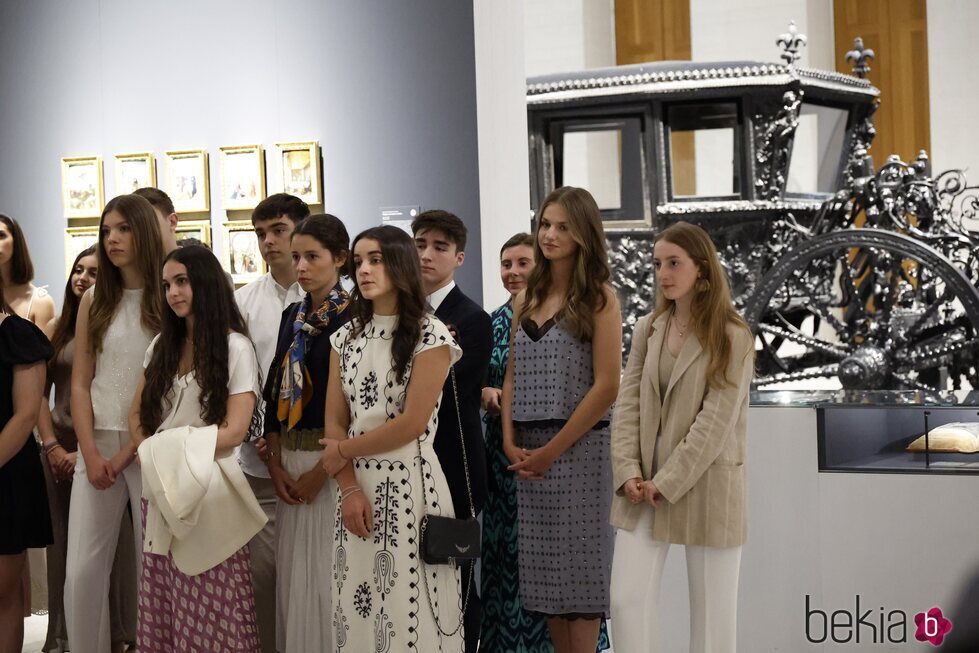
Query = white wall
x=953 y=80
x=501 y=118
x=568 y=35
x=387 y=87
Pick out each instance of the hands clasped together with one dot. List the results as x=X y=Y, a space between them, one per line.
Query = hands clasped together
x=354 y=508
x=638 y=490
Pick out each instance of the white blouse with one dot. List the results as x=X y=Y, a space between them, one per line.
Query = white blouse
x=184 y=397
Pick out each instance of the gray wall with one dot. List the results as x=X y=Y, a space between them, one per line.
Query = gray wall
x=386 y=86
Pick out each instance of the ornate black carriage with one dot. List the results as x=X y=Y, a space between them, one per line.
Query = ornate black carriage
x=853 y=279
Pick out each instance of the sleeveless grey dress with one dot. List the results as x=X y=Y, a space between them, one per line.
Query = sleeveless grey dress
x=564 y=538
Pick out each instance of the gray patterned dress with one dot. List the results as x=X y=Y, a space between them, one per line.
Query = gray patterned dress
x=565 y=540
x=381 y=586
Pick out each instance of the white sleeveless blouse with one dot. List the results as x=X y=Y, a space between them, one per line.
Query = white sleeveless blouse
x=119 y=365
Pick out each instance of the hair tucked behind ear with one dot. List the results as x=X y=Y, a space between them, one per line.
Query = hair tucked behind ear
x=711 y=310
x=403 y=269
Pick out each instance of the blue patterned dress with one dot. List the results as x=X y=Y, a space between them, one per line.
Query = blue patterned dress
x=506 y=627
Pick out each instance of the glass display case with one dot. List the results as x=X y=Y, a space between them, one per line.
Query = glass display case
x=874 y=439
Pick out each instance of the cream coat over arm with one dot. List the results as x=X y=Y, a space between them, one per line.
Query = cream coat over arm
x=697 y=432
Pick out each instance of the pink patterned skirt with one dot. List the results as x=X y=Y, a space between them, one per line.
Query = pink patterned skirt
x=213 y=611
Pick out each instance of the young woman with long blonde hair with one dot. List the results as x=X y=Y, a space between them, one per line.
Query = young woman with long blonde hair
x=678 y=448
x=561 y=380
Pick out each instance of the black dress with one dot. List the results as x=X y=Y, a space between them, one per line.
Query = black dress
x=24 y=518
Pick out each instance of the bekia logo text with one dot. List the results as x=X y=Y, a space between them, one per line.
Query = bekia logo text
x=874 y=626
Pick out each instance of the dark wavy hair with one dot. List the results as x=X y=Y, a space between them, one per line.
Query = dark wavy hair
x=403 y=269
x=216 y=313
x=21 y=266
x=64 y=330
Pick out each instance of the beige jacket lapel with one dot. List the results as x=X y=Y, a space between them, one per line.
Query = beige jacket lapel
x=688 y=354
x=657 y=340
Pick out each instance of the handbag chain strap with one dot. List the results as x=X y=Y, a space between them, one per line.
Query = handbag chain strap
x=472 y=512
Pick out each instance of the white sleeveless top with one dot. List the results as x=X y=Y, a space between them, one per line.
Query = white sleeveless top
x=119 y=365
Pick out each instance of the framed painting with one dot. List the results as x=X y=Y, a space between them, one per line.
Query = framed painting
x=242 y=177
x=299 y=171
x=186 y=180
x=82 y=190
x=134 y=171
x=242 y=258
x=77 y=239
x=196 y=229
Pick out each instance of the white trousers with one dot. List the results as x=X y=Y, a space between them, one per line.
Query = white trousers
x=637 y=572
x=93 y=531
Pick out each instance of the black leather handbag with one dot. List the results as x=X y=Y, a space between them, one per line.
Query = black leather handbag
x=448 y=540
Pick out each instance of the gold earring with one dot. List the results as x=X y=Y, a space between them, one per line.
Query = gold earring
x=703 y=285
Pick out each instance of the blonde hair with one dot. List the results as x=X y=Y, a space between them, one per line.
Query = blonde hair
x=711 y=309
x=148 y=255
x=591 y=274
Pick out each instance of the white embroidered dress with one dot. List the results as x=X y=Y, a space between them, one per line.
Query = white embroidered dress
x=380 y=602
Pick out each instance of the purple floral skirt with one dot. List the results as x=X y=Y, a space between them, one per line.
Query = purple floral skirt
x=212 y=611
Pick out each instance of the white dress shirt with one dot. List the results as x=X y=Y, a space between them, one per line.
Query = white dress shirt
x=261 y=303
x=436 y=298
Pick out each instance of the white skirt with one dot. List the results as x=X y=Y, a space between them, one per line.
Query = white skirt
x=304 y=564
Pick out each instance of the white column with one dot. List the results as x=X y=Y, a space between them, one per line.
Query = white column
x=953 y=82
x=501 y=115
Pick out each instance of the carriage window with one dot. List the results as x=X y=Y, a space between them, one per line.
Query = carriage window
x=592 y=160
x=817 y=151
x=603 y=155
x=704 y=142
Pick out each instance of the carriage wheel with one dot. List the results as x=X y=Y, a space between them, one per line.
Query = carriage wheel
x=866 y=309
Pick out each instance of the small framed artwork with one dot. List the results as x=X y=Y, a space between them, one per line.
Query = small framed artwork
x=82 y=189
x=299 y=171
x=242 y=258
x=186 y=180
x=196 y=229
x=134 y=171
x=77 y=239
x=242 y=177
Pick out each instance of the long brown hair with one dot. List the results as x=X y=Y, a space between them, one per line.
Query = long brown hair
x=64 y=330
x=711 y=309
x=404 y=271
x=148 y=255
x=591 y=274
x=21 y=267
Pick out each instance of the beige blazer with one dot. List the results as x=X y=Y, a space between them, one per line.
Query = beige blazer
x=697 y=434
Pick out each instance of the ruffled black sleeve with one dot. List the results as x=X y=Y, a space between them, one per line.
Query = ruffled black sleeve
x=22 y=343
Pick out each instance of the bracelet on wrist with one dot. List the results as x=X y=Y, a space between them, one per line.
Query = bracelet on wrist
x=51 y=446
x=350 y=492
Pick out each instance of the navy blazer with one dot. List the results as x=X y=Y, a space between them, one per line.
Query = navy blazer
x=474 y=333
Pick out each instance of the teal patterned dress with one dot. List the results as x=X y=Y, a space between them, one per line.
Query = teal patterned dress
x=507 y=627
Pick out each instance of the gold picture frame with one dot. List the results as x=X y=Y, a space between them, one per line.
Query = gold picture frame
x=298 y=170
x=187 y=180
x=242 y=176
x=134 y=171
x=77 y=239
x=199 y=229
x=240 y=254
x=82 y=186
